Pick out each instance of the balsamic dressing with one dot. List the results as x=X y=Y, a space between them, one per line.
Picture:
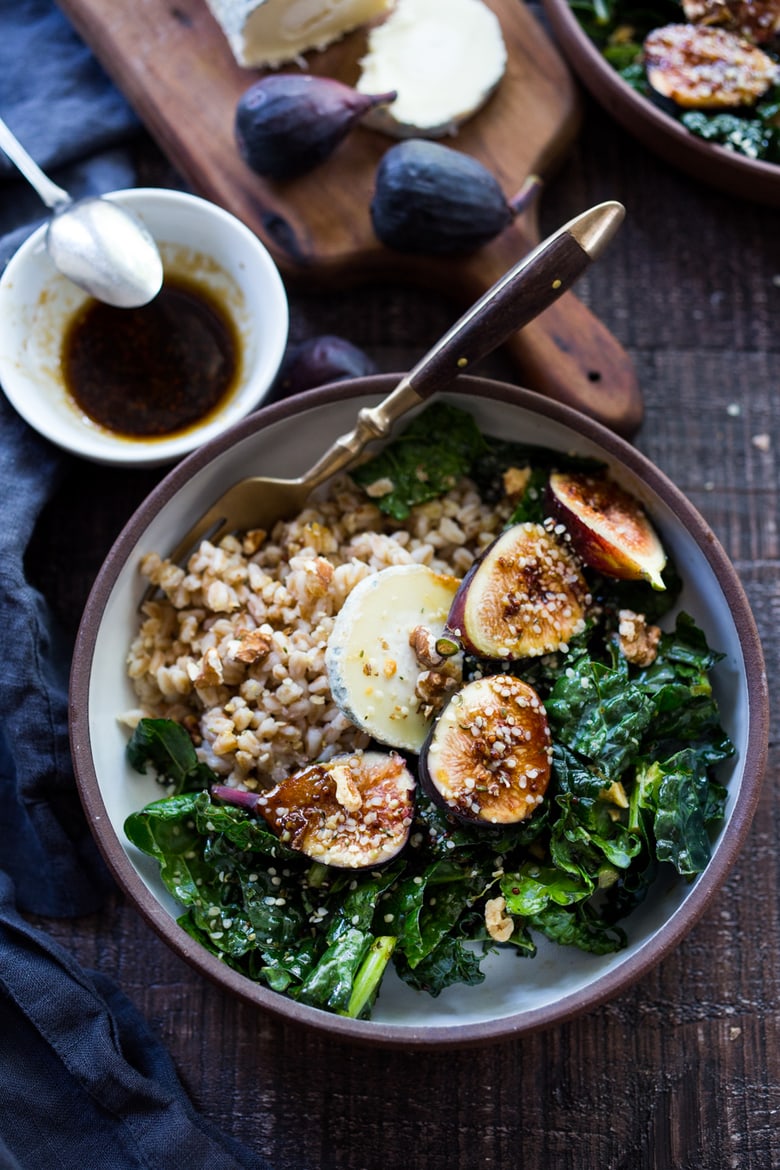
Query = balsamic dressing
x=154 y=370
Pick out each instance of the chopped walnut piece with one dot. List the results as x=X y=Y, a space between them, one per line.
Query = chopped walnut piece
x=209 y=674
x=638 y=639
x=347 y=791
x=251 y=646
x=516 y=481
x=499 y=924
x=379 y=488
x=432 y=688
x=615 y=794
x=252 y=540
x=323 y=570
x=423 y=644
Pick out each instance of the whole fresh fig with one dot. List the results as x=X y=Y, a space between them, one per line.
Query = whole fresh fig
x=318 y=360
x=432 y=199
x=288 y=123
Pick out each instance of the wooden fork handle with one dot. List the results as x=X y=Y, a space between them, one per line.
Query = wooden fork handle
x=520 y=295
x=529 y=288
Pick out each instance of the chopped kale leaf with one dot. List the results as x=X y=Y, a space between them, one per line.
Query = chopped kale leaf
x=434 y=451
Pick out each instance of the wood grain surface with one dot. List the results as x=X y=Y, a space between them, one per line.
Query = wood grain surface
x=174 y=65
x=681 y=1071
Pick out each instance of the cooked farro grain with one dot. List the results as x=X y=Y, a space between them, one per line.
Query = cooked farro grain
x=235 y=647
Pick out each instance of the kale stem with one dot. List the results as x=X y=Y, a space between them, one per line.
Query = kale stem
x=369 y=975
x=317 y=875
x=602 y=12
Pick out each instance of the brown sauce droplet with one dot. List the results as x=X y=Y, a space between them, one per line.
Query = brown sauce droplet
x=155 y=370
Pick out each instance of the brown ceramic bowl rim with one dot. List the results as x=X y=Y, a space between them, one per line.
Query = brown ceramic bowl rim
x=751 y=178
x=380 y=1033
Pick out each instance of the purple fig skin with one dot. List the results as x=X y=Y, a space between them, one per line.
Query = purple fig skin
x=319 y=360
x=455 y=618
x=288 y=123
x=607 y=527
x=523 y=597
x=434 y=200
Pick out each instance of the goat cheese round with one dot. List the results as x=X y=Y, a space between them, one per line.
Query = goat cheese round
x=443 y=60
x=274 y=32
x=378 y=654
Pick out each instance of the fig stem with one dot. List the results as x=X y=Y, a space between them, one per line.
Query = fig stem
x=383 y=99
x=235 y=796
x=527 y=196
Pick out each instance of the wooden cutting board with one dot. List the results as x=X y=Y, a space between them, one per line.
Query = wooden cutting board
x=171 y=60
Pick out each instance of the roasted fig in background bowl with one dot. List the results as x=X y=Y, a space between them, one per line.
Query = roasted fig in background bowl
x=391 y=907
x=727 y=154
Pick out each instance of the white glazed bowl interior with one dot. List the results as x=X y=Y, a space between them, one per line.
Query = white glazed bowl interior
x=518 y=994
x=196 y=239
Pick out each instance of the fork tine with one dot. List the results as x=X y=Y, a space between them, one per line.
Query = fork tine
x=211 y=527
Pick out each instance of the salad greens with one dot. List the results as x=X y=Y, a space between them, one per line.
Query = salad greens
x=618 y=29
x=419 y=467
x=632 y=791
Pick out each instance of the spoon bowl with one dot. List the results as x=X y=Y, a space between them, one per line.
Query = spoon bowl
x=107 y=251
x=101 y=247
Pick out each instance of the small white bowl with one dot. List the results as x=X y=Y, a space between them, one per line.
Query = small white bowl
x=198 y=241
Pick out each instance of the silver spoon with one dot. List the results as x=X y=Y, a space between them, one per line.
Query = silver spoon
x=102 y=247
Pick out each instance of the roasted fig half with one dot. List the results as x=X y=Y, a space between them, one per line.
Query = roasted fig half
x=352 y=812
x=703 y=68
x=524 y=596
x=754 y=20
x=488 y=757
x=607 y=526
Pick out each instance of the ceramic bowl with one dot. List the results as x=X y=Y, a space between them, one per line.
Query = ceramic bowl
x=724 y=169
x=284 y=439
x=199 y=242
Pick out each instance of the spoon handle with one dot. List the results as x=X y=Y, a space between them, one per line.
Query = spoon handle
x=52 y=195
x=519 y=296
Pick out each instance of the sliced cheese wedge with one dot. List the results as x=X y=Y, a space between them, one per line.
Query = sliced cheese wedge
x=444 y=60
x=272 y=32
x=372 y=668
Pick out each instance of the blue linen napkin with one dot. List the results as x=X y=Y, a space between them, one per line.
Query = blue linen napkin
x=57 y=99
x=83 y=1081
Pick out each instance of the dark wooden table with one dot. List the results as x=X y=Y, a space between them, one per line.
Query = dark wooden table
x=683 y=1070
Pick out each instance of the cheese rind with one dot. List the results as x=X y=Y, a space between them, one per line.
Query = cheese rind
x=443 y=70
x=274 y=32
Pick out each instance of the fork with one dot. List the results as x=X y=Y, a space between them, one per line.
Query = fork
x=519 y=296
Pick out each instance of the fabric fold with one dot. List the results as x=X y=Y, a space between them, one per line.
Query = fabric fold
x=84 y=1082
x=45 y=844
x=87 y=1082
